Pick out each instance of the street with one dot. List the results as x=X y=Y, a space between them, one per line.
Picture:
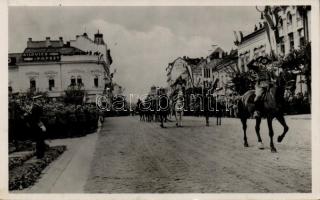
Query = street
x=139 y=157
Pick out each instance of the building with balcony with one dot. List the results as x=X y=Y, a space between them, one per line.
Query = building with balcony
x=293 y=27
x=52 y=66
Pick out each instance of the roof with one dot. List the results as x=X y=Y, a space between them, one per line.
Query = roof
x=62 y=50
x=42 y=44
x=192 y=61
x=252 y=35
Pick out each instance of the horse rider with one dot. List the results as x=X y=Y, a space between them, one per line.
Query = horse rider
x=265 y=80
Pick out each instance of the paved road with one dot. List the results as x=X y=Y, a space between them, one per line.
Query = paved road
x=140 y=157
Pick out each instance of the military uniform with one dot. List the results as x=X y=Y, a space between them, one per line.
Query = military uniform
x=264 y=82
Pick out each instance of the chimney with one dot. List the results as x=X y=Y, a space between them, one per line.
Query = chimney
x=29 y=42
x=48 y=41
x=68 y=44
x=98 y=38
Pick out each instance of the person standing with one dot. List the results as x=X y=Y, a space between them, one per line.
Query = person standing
x=179 y=106
x=163 y=106
x=37 y=128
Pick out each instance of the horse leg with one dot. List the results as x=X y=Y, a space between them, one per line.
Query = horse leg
x=257 y=127
x=273 y=149
x=244 y=127
x=207 y=120
x=282 y=121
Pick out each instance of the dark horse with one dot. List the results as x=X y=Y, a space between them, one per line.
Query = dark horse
x=272 y=108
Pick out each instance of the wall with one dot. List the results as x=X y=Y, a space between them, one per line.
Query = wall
x=61 y=73
x=246 y=49
x=86 y=44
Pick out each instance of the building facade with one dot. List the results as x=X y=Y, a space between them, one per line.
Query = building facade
x=52 y=66
x=293 y=27
x=252 y=45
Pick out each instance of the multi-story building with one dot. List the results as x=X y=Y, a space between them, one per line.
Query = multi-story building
x=252 y=45
x=183 y=68
x=208 y=66
x=293 y=27
x=52 y=66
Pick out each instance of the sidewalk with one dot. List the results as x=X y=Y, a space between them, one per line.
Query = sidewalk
x=68 y=174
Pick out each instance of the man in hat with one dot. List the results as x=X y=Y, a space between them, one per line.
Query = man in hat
x=265 y=80
x=37 y=127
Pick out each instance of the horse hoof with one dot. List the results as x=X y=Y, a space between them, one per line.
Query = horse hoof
x=260 y=145
x=273 y=150
x=280 y=138
x=246 y=145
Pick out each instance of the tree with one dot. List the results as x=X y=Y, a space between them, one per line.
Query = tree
x=243 y=82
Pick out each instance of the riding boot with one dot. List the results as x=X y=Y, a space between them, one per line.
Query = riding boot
x=257 y=112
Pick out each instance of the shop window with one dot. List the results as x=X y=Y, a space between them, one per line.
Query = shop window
x=96 y=82
x=51 y=84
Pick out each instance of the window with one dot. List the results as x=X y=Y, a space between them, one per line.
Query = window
x=79 y=80
x=282 y=45
x=291 y=41
x=242 y=65
x=51 y=84
x=96 y=82
x=301 y=37
x=289 y=18
x=73 y=81
x=33 y=84
x=206 y=73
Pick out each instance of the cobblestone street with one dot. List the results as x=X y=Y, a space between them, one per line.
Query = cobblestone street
x=139 y=157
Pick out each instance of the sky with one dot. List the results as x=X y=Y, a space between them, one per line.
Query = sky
x=142 y=40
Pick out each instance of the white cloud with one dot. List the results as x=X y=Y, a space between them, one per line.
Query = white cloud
x=141 y=57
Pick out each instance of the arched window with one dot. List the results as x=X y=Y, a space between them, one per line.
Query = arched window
x=73 y=81
x=96 y=81
x=289 y=18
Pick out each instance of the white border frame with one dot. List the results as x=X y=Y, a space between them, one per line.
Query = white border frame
x=192 y=196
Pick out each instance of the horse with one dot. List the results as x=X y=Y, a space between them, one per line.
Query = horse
x=271 y=101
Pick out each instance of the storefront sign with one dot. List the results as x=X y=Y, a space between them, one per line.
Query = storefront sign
x=41 y=56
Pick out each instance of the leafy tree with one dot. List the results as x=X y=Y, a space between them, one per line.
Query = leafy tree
x=243 y=82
